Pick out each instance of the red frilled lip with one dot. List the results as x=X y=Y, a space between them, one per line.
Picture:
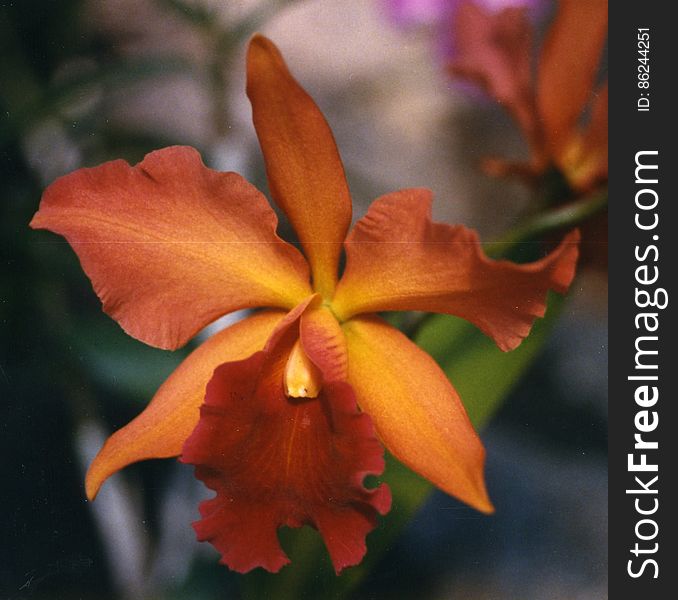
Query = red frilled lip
x=275 y=461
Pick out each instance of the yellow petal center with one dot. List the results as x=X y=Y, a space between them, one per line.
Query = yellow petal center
x=302 y=377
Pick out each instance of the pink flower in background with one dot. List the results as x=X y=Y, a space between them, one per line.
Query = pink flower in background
x=408 y=13
x=440 y=14
x=428 y=12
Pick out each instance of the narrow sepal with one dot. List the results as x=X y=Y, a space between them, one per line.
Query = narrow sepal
x=304 y=169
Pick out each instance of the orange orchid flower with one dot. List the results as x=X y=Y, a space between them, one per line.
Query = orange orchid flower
x=494 y=50
x=267 y=409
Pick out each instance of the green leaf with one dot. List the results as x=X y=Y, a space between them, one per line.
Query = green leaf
x=483 y=375
x=53 y=100
x=120 y=363
x=195 y=13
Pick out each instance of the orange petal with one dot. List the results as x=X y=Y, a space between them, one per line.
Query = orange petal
x=568 y=67
x=171 y=245
x=398 y=259
x=304 y=169
x=595 y=136
x=324 y=342
x=593 y=166
x=494 y=51
x=160 y=431
x=584 y=158
x=416 y=411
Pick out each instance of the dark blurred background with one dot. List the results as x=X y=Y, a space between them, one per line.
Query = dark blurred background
x=84 y=82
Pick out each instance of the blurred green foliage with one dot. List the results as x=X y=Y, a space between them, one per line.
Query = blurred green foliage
x=52 y=374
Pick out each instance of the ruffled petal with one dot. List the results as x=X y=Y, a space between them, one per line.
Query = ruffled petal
x=305 y=173
x=569 y=64
x=161 y=430
x=171 y=245
x=417 y=413
x=494 y=50
x=277 y=461
x=398 y=259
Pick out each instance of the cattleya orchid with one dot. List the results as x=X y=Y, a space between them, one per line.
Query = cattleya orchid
x=284 y=413
x=494 y=50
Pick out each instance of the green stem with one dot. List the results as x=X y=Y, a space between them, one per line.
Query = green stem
x=562 y=217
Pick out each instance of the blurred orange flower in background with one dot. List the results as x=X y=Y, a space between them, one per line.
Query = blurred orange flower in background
x=267 y=409
x=558 y=103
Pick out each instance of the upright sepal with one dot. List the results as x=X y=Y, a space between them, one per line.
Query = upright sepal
x=304 y=170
